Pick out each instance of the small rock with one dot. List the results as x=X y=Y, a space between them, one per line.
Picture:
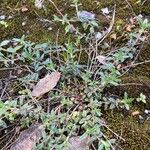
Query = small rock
x=141 y=119
x=147 y=112
x=2 y=17
x=98 y=36
x=24 y=23
x=24 y=9
x=50 y=28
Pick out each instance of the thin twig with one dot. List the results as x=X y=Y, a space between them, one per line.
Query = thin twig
x=114 y=133
x=110 y=27
x=136 y=64
x=130 y=7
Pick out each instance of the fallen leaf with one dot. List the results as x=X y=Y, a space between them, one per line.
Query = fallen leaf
x=101 y=59
x=128 y=28
x=28 y=138
x=76 y=143
x=2 y=17
x=135 y=113
x=46 y=84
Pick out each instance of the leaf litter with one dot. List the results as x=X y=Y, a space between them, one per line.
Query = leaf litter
x=46 y=84
x=28 y=138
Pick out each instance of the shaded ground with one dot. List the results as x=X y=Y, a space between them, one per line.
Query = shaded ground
x=32 y=23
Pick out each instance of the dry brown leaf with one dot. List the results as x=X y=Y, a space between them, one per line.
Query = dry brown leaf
x=129 y=28
x=113 y=36
x=75 y=143
x=28 y=138
x=135 y=113
x=46 y=84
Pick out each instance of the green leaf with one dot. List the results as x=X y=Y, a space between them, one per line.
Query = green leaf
x=4 y=23
x=18 y=48
x=1 y=104
x=3 y=43
x=100 y=147
x=56 y=18
x=3 y=124
x=11 y=50
x=106 y=145
x=1 y=54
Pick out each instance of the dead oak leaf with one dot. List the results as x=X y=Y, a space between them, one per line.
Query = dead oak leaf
x=135 y=113
x=75 y=143
x=46 y=84
x=28 y=138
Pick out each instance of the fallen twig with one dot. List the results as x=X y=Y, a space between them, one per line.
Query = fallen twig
x=110 y=27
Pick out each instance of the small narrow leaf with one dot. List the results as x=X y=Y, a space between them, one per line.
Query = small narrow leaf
x=4 y=43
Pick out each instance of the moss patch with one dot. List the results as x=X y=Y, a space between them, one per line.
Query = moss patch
x=136 y=135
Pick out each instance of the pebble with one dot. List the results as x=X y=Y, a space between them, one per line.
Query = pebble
x=24 y=23
x=50 y=28
x=147 y=111
x=141 y=119
x=98 y=36
x=2 y=17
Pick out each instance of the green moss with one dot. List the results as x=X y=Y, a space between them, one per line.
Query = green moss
x=136 y=135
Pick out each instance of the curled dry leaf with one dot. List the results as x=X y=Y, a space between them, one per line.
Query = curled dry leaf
x=46 y=84
x=28 y=138
x=101 y=59
x=113 y=36
x=129 y=28
x=75 y=143
x=135 y=113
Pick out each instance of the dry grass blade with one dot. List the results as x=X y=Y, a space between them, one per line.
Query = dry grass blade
x=46 y=84
x=28 y=138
